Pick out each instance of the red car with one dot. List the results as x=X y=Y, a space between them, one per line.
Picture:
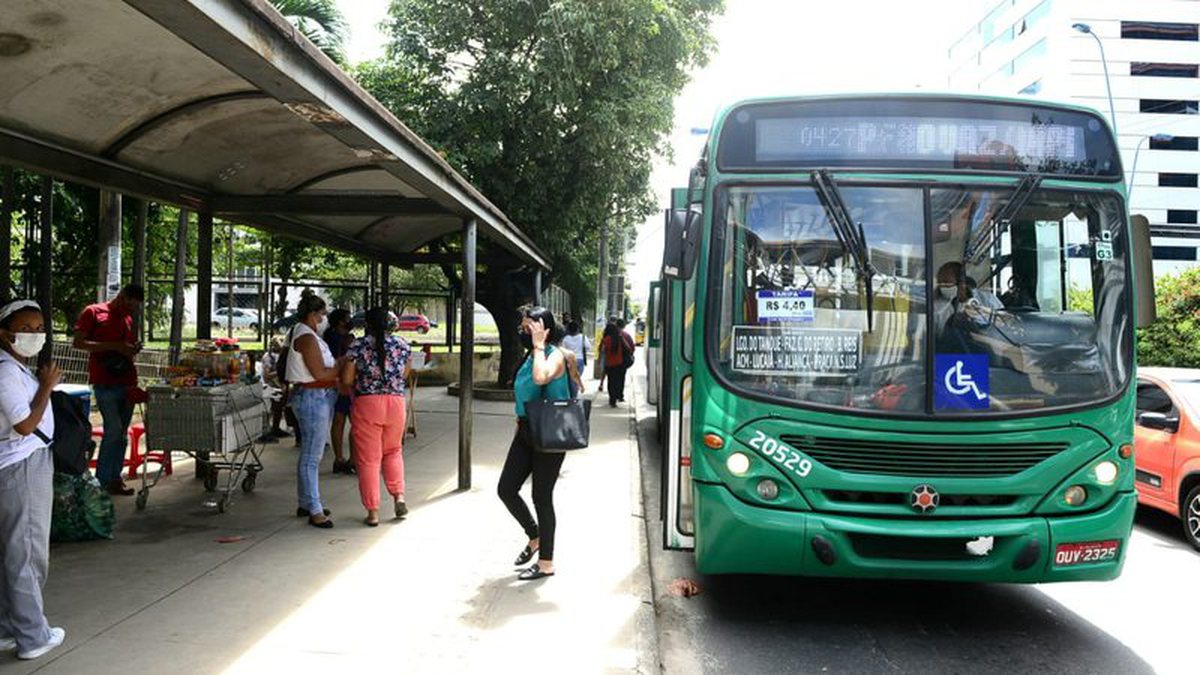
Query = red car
x=1167 y=444
x=417 y=322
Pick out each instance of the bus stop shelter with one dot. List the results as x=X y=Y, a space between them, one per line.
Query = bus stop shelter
x=223 y=108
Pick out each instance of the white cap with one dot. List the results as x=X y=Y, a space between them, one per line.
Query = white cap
x=17 y=306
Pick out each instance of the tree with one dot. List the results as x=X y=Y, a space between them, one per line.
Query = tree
x=321 y=22
x=1172 y=339
x=555 y=109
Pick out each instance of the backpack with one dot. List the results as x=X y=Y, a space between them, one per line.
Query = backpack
x=626 y=350
x=282 y=361
x=72 y=444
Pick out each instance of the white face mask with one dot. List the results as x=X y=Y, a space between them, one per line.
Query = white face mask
x=28 y=345
x=323 y=325
x=948 y=292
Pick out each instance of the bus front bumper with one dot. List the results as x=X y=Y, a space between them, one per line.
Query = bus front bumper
x=733 y=537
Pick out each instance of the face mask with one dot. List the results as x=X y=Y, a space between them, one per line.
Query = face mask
x=526 y=341
x=948 y=292
x=28 y=345
x=323 y=325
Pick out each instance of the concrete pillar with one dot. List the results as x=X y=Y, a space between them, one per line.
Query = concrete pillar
x=385 y=283
x=466 y=380
x=109 y=282
x=177 y=287
x=139 y=261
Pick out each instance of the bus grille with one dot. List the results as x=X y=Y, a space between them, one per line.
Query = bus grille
x=923 y=459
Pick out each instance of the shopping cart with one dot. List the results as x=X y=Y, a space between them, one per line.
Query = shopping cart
x=219 y=427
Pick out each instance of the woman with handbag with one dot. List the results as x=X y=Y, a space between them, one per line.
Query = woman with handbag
x=26 y=482
x=543 y=375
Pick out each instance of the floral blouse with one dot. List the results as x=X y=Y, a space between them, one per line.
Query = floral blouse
x=368 y=380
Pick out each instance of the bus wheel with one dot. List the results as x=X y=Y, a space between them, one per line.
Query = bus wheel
x=1190 y=515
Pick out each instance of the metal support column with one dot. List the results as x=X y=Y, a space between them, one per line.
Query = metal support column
x=109 y=282
x=466 y=360
x=385 y=283
x=450 y=320
x=45 y=293
x=229 y=271
x=537 y=288
x=181 y=242
x=6 y=209
x=204 y=277
x=139 y=262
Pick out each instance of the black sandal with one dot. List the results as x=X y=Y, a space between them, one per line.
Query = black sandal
x=302 y=512
x=533 y=573
x=525 y=557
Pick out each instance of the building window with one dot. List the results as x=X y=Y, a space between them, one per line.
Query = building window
x=1032 y=88
x=1151 y=30
x=1181 y=217
x=1144 y=69
x=1174 y=252
x=1184 y=180
x=1033 y=17
x=1175 y=143
x=1169 y=107
x=1027 y=57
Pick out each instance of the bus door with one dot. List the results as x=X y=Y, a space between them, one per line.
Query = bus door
x=653 y=344
x=677 y=299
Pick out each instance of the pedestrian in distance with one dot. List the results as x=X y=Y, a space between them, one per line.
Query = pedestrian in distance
x=543 y=375
x=375 y=373
x=270 y=379
x=617 y=349
x=105 y=332
x=313 y=373
x=26 y=482
x=339 y=338
x=577 y=343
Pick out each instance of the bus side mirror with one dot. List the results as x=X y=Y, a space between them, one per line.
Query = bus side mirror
x=682 y=246
x=1143 y=271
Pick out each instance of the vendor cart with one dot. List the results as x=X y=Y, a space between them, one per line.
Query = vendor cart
x=218 y=426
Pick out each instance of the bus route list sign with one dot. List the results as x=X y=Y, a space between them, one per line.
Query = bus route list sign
x=810 y=352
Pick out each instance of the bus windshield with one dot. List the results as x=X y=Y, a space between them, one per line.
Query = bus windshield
x=1025 y=313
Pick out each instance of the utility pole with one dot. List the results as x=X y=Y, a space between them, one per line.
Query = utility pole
x=109 y=282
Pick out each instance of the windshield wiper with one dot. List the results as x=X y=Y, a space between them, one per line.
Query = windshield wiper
x=850 y=235
x=985 y=238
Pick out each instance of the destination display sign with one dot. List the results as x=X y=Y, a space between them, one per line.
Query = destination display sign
x=809 y=352
x=900 y=138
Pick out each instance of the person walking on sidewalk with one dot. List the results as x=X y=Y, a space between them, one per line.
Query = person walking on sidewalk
x=543 y=375
x=313 y=373
x=375 y=372
x=105 y=331
x=617 y=348
x=339 y=338
x=26 y=482
x=578 y=344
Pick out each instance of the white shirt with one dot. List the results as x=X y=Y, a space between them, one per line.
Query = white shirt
x=576 y=344
x=297 y=372
x=17 y=389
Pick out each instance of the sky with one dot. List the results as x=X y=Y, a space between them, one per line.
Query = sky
x=771 y=48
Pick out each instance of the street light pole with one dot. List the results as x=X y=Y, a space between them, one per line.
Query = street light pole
x=1162 y=138
x=1112 y=111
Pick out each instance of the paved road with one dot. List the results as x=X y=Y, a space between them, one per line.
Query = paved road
x=752 y=624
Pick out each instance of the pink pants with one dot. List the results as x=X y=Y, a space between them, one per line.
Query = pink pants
x=377 y=424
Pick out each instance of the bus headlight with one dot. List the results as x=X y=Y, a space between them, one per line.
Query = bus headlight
x=768 y=489
x=1075 y=495
x=738 y=464
x=1105 y=472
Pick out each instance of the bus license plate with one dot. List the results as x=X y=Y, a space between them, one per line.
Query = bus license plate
x=1083 y=553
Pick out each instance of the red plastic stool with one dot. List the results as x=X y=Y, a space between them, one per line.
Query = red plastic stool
x=134 y=459
x=136 y=431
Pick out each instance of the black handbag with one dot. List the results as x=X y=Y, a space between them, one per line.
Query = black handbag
x=559 y=426
x=72 y=445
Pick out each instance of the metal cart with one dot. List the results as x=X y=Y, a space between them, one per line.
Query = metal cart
x=217 y=426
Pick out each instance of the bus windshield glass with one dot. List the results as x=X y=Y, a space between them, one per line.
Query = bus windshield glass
x=1035 y=318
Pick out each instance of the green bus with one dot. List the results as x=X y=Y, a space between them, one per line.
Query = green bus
x=894 y=338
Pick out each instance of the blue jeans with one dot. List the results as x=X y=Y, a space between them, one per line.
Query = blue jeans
x=117 y=411
x=314 y=410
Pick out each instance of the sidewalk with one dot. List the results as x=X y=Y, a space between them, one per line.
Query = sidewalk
x=434 y=593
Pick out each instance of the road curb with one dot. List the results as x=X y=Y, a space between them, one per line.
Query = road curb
x=648 y=654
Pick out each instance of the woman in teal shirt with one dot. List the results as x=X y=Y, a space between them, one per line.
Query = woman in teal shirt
x=543 y=375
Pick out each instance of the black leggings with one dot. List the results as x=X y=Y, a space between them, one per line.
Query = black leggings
x=522 y=461
x=616 y=383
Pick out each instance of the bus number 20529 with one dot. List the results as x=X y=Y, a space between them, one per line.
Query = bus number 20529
x=781 y=454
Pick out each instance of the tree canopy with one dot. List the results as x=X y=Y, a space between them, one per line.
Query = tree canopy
x=321 y=22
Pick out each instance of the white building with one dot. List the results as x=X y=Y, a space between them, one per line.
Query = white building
x=1030 y=48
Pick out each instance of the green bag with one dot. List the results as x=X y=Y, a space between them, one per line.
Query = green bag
x=83 y=511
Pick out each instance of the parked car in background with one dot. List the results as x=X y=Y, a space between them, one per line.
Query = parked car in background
x=1167 y=444
x=242 y=318
x=408 y=322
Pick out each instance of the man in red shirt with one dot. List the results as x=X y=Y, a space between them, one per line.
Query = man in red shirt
x=105 y=331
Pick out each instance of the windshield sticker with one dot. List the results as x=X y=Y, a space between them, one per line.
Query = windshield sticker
x=780 y=306
x=961 y=382
x=1104 y=247
x=768 y=350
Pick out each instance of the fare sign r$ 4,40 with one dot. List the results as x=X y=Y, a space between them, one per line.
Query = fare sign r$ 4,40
x=769 y=350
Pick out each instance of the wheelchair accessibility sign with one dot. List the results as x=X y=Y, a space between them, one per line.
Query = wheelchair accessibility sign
x=961 y=382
